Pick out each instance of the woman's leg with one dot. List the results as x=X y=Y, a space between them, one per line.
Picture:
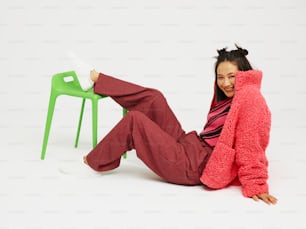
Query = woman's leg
x=148 y=101
x=156 y=148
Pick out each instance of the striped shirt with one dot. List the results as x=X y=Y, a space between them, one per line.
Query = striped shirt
x=215 y=121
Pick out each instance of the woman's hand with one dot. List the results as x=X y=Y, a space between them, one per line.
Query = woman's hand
x=265 y=197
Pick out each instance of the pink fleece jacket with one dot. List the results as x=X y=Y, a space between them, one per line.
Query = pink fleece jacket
x=240 y=152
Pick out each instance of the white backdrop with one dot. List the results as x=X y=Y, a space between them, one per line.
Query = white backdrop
x=166 y=44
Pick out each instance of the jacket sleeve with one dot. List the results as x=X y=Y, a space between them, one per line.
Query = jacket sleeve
x=252 y=137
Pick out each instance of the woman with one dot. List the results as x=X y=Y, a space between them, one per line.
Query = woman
x=229 y=150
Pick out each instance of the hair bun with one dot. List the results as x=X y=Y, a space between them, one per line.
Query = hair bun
x=242 y=51
x=222 y=51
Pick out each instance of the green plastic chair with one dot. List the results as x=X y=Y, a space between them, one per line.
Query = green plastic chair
x=67 y=83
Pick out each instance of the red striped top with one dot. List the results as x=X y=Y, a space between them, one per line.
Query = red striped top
x=215 y=121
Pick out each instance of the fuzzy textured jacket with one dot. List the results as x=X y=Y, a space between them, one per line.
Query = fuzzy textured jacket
x=239 y=155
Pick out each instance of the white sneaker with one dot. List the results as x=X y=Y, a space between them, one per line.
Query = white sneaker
x=82 y=70
x=77 y=168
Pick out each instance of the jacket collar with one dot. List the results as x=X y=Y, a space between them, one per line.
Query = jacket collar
x=251 y=78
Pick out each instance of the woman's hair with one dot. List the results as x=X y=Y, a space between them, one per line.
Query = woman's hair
x=237 y=57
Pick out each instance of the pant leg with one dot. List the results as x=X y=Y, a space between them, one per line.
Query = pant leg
x=163 y=154
x=150 y=102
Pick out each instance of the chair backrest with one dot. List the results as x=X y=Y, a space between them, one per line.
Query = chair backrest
x=65 y=79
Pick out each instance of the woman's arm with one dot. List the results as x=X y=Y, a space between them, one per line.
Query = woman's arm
x=252 y=137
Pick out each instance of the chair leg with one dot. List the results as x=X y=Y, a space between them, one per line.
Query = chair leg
x=51 y=107
x=79 y=124
x=124 y=111
x=94 y=122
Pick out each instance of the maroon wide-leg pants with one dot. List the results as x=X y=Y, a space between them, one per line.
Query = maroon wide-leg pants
x=151 y=128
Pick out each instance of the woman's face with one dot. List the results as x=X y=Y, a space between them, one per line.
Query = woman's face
x=226 y=77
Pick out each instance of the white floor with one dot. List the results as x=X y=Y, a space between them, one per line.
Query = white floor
x=60 y=192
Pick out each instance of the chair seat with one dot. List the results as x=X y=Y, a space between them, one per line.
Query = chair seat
x=67 y=83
